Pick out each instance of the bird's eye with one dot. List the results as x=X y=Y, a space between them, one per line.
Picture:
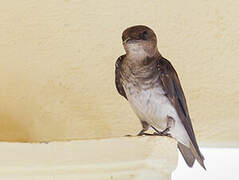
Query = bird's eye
x=145 y=33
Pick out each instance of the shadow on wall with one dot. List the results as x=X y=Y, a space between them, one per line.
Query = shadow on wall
x=13 y=129
x=76 y=118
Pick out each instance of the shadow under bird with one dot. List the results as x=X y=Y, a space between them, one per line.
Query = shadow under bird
x=152 y=87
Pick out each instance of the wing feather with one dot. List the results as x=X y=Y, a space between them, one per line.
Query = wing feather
x=172 y=87
x=118 y=82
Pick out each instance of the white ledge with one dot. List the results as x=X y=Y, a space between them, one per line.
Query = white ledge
x=115 y=158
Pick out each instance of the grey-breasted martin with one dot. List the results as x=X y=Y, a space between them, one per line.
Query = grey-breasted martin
x=152 y=87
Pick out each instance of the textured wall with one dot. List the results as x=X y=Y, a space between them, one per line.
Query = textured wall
x=57 y=66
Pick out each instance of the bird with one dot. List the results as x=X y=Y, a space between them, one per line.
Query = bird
x=150 y=84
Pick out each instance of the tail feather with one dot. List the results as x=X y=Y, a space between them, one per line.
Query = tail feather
x=187 y=154
x=198 y=155
x=190 y=154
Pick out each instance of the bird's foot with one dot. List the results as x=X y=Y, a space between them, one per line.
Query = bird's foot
x=141 y=133
x=162 y=133
x=148 y=134
x=157 y=133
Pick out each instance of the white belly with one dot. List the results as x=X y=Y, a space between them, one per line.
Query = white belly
x=154 y=107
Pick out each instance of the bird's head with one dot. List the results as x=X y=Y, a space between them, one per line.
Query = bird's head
x=139 y=41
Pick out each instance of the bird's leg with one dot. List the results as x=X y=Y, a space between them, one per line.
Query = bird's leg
x=141 y=133
x=145 y=128
x=170 y=123
x=162 y=133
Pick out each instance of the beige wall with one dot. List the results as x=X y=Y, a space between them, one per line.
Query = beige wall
x=57 y=66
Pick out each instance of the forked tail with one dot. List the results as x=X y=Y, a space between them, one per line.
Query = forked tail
x=190 y=154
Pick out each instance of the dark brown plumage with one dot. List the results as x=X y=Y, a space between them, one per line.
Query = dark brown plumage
x=174 y=92
x=118 y=83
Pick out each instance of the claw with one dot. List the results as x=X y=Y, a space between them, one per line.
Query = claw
x=141 y=133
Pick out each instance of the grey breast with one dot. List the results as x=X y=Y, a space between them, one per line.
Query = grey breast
x=145 y=94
